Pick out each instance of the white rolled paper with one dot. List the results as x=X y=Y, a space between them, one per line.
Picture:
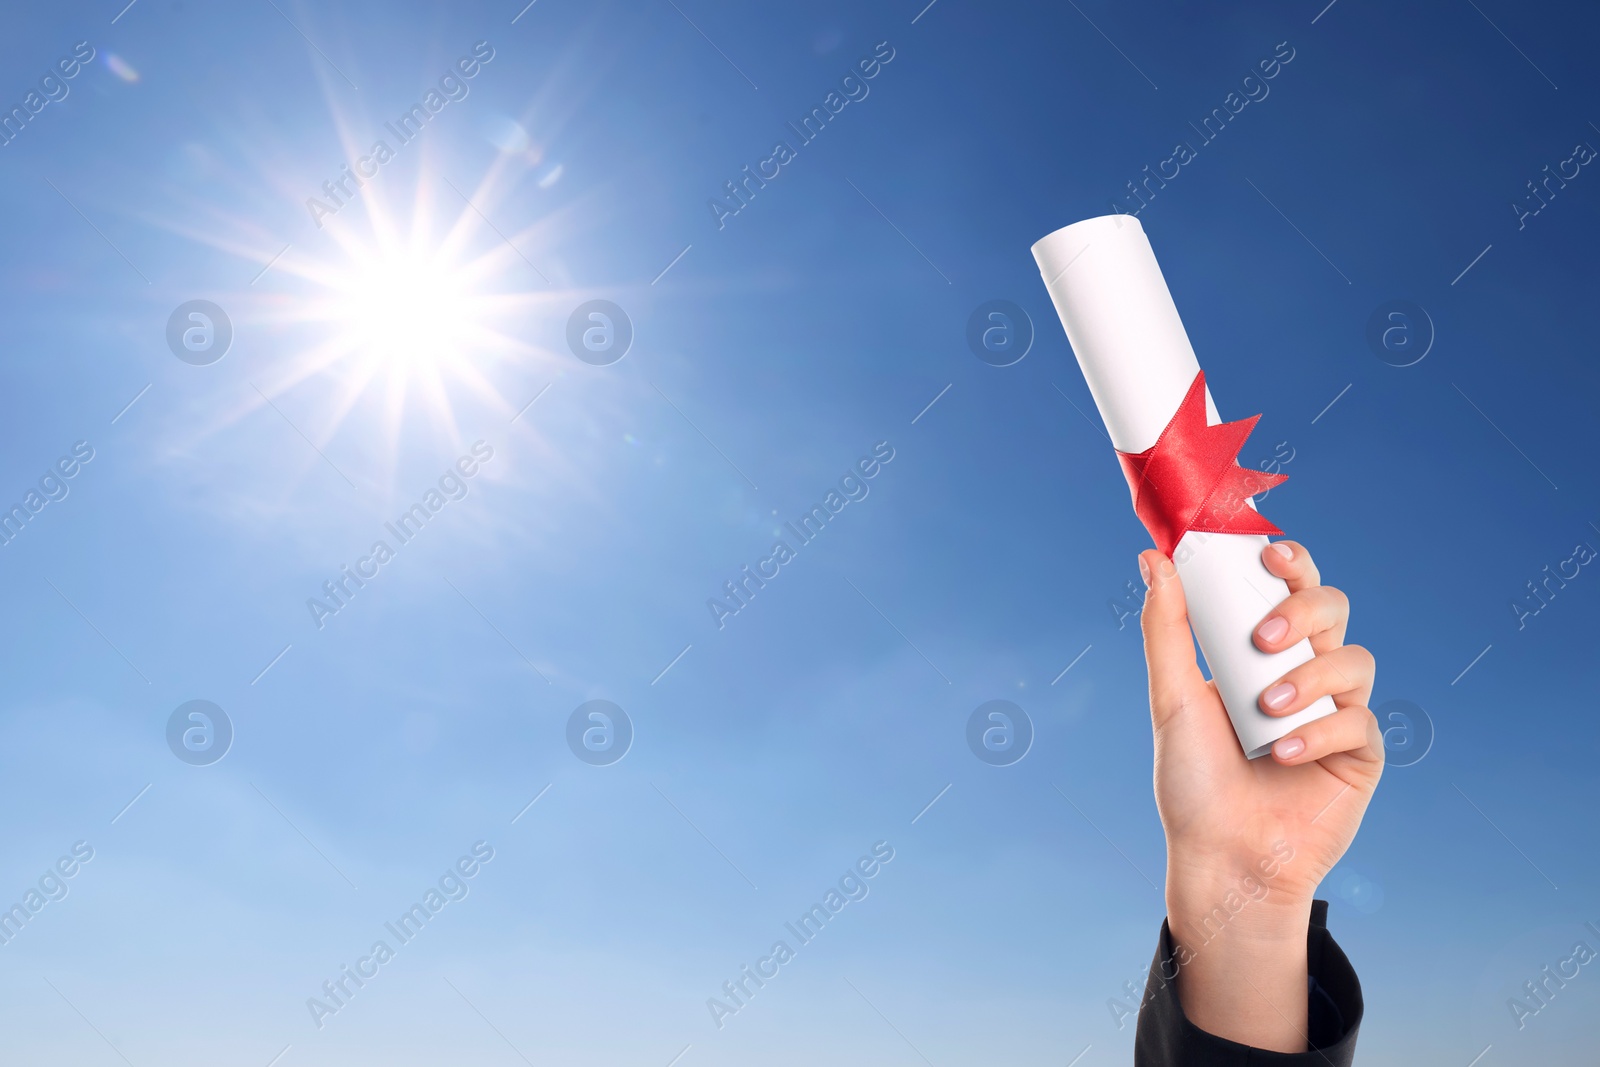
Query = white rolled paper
x=1136 y=357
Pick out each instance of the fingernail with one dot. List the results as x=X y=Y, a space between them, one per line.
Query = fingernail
x=1278 y=696
x=1288 y=748
x=1282 y=549
x=1144 y=571
x=1273 y=630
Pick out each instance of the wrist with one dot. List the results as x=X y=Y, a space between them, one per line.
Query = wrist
x=1225 y=924
x=1239 y=927
x=1255 y=899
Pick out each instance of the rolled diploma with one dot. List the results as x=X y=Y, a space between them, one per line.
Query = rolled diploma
x=1124 y=328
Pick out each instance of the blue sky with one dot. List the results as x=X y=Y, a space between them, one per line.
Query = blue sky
x=769 y=355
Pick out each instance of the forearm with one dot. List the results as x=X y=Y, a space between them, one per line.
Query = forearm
x=1240 y=961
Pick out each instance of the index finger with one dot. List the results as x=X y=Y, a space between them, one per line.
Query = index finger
x=1290 y=561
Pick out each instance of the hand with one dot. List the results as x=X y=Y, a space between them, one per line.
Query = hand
x=1248 y=841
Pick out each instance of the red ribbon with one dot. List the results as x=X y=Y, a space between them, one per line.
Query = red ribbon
x=1190 y=479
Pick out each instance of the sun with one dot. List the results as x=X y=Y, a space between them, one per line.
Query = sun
x=424 y=310
x=417 y=308
x=405 y=308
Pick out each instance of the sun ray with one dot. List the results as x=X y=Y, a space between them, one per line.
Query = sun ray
x=416 y=312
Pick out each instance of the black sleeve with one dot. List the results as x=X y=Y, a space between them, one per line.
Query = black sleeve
x=1166 y=1038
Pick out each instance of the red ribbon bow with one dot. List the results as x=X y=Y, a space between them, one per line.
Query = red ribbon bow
x=1190 y=479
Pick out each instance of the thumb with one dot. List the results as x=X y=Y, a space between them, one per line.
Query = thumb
x=1168 y=645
